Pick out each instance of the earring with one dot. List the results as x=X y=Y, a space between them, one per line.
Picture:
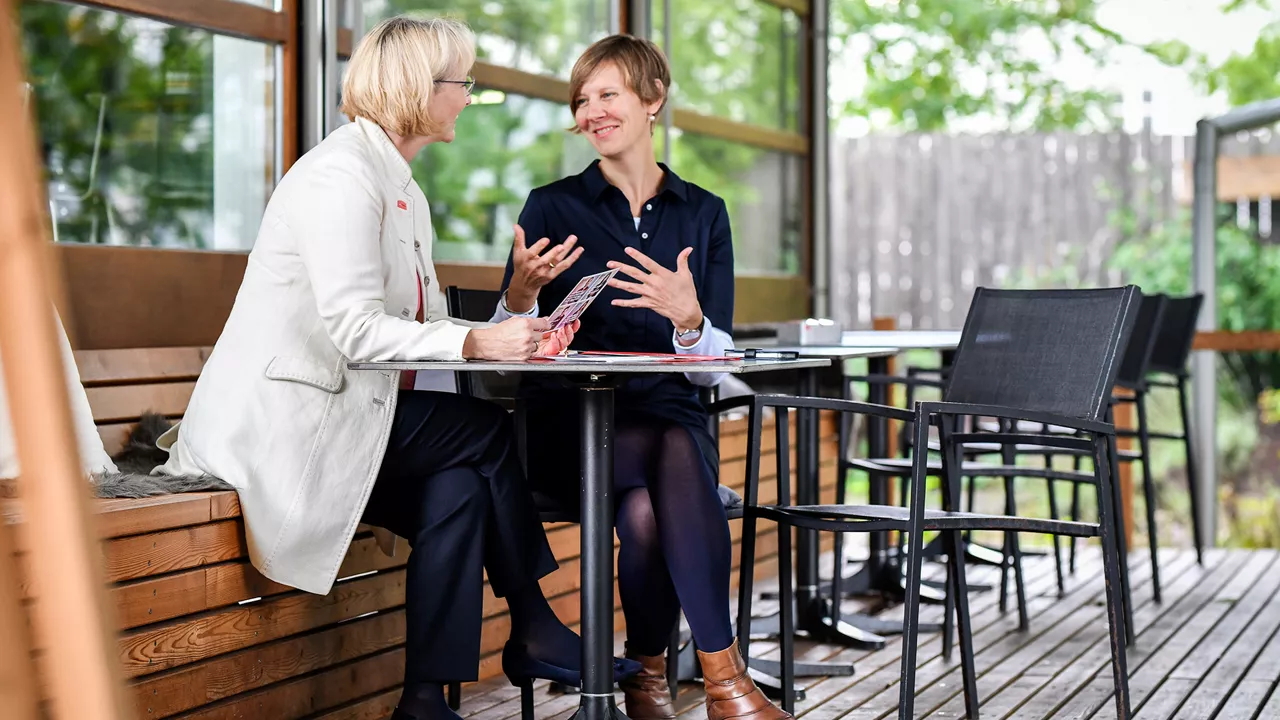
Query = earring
x=652 y=118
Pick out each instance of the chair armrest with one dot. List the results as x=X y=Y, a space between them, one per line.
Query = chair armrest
x=1066 y=442
x=1008 y=413
x=845 y=406
x=734 y=403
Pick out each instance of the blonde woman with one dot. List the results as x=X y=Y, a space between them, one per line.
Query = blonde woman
x=342 y=271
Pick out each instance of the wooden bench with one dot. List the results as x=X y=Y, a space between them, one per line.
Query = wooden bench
x=202 y=634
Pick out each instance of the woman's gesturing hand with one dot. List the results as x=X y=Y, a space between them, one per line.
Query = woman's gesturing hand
x=671 y=294
x=518 y=338
x=532 y=268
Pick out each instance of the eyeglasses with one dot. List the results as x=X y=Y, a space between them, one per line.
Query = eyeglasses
x=467 y=84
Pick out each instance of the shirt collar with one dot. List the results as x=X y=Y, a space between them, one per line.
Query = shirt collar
x=594 y=182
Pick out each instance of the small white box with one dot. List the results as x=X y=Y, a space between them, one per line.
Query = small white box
x=812 y=331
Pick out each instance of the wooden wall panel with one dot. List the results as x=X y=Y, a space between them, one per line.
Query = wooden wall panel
x=123 y=297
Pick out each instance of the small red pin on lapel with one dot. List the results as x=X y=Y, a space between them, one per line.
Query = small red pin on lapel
x=402 y=205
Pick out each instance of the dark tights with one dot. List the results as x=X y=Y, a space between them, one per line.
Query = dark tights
x=675 y=546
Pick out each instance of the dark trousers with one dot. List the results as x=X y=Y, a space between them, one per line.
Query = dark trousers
x=451 y=483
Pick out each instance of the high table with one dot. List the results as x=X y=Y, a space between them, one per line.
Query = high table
x=596 y=379
x=813 y=614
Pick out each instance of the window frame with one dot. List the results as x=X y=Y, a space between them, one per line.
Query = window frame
x=790 y=295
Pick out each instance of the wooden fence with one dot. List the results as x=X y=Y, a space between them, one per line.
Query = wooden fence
x=918 y=221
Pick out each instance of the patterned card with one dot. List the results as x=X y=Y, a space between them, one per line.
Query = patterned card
x=576 y=302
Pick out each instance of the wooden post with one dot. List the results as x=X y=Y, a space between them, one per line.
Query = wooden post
x=71 y=619
x=1125 y=419
x=895 y=393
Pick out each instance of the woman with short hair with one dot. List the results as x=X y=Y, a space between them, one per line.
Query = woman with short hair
x=671 y=243
x=341 y=271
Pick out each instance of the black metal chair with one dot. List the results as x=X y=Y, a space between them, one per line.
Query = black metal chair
x=1131 y=376
x=1009 y=557
x=1048 y=357
x=1168 y=368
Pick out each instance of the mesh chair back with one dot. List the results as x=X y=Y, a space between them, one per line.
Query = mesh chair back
x=1177 y=332
x=478 y=306
x=1137 y=354
x=1054 y=351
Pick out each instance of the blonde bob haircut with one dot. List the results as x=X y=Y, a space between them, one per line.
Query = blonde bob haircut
x=643 y=66
x=391 y=75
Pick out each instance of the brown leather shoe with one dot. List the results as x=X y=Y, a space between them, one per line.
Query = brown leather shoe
x=647 y=695
x=731 y=693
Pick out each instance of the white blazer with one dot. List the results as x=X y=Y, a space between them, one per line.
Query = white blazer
x=276 y=413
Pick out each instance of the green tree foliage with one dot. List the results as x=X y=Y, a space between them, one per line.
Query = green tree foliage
x=1248 y=76
x=152 y=85
x=734 y=59
x=930 y=62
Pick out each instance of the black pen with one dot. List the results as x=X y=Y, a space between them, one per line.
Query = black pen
x=759 y=354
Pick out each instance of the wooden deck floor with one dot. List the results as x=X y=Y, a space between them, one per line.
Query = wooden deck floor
x=1210 y=650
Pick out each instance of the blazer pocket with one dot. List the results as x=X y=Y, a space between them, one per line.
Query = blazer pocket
x=302 y=370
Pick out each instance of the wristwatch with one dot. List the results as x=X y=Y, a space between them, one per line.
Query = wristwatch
x=692 y=333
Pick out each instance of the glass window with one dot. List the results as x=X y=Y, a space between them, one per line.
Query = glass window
x=136 y=148
x=761 y=189
x=505 y=146
x=543 y=37
x=736 y=59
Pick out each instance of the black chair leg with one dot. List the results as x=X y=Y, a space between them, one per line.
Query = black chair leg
x=1016 y=549
x=455 y=695
x=786 y=585
x=911 y=620
x=1149 y=494
x=1122 y=549
x=960 y=590
x=746 y=578
x=1193 y=483
x=1007 y=550
x=948 y=617
x=972 y=503
x=1075 y=515
x=1121 y=631
x=837 y=554
x=1057 y=550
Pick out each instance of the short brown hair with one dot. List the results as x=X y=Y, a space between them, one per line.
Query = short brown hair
x=392 y=73
x=641 y=62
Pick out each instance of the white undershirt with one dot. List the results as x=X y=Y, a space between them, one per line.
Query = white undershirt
x=637 y=222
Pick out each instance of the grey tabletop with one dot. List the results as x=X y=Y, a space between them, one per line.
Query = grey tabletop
x=903 y=339
x=597 y=366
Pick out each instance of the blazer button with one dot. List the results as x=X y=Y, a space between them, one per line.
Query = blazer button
x=417 y=245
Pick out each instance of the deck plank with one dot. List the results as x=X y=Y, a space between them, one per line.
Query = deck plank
x=1210 y=650
x=1054 y=650
x=1088 y=688
x=1221 y=663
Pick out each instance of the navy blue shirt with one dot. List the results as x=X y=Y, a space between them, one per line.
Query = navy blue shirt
x=681 y=215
